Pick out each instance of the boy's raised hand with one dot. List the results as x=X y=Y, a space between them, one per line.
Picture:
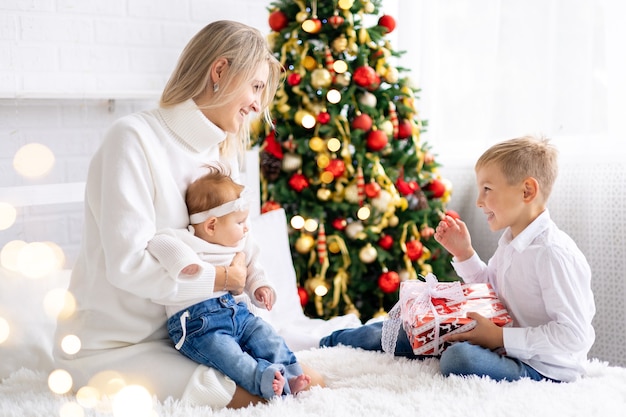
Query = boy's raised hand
x=265 y=295
x=453 y=235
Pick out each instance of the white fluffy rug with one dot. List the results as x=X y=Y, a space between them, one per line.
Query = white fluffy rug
x=372 y=384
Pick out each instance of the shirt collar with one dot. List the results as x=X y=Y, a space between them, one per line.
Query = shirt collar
x=528 y=235
x=191 y=126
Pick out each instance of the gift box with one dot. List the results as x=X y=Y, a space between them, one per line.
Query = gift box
x=430 y=310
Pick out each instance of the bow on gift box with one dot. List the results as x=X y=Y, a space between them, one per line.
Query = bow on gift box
x=414 y=301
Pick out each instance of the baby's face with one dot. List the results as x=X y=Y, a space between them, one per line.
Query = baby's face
x=231 y=228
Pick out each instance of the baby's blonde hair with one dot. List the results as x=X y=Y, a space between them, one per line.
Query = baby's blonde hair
x=245 y=48
x=212 y=190
x=520 y=158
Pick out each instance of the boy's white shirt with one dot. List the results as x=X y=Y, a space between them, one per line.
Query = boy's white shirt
x=545 y=282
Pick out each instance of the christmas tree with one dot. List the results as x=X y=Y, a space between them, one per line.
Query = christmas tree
x=344 y=159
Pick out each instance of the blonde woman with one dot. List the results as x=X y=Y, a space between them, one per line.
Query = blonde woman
x=136 y=186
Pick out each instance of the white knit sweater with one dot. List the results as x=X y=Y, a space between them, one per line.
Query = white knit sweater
x=135 y=187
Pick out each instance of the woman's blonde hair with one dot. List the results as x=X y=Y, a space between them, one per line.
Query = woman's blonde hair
x=244 y=48
x=524 y=157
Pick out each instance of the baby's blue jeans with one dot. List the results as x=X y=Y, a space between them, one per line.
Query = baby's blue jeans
x=225 y=335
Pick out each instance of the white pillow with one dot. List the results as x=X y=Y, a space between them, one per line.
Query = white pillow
x=299 y=331
x=31 y=330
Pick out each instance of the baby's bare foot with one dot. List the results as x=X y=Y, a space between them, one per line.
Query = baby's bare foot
x=279 y=383
x=299 y=383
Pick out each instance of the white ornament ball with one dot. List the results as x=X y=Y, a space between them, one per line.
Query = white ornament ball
x=351 y=194
x=353 y=229
x=381 y=203
x=291 y=162
x=368 y=254
x=368 y=99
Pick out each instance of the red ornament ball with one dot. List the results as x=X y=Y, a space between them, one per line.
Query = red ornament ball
x=414 y=249
x=436 y=188
x=270 y=205
x=453 y=214
x=336 y=167
x=278 y=21
x=385 y=242
x=366 y=77
x=298 y=182
x=372 y=189
x=294 y=79
x=376 y=140
x=405 y=129
x=389 y=282
x=362 y=121
x=388 y=22
x=323 y=118
x=339 y=223
x=304 y=296
x=336 y=20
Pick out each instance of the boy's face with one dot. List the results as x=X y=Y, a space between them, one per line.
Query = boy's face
x=231 y=228
x=502 y=202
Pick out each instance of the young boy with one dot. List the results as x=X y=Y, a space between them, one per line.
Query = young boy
x=537 y=271
x=220 y=331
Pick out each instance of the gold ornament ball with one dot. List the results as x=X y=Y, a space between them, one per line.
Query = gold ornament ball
x=301 y=17
x=324 y=194
x=304 y=244
x=309 y=63
x=351 y=194
x=345 y=4
x=343 y=79
x=339 y=44
x=368 y=254
x=321 y=78
x=316 y=144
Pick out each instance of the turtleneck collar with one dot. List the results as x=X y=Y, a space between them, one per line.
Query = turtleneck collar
x=191 y=126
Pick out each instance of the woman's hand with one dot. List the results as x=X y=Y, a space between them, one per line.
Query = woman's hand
x=486 y=333
x=237 y=274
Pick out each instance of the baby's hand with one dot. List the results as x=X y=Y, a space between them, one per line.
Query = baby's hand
x=190 y=269
x=265 y=295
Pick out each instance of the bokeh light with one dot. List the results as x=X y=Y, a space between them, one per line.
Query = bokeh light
x=108 y=383
x=60 y=381
x=70 y=344
x=8 y=214
x=310 y=225
x=88 y=396
x=59 y=303
x=33 y=160
x=5 y=330
x=132 y=401
x=9 y=254
x=297 y=222
x=71 y=409
x=36 y=260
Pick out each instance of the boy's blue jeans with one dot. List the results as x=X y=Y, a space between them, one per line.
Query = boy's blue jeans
x=458 y=359
x=225 y=335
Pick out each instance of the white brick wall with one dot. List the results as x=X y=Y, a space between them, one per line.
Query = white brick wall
x=95 y=48
x=60 y=63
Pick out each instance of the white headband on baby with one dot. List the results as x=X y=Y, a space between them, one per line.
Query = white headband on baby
x=239 y=204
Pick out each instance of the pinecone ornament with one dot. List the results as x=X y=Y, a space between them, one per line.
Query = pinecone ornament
x=270 y=166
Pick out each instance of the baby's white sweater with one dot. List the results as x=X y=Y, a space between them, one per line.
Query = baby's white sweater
x=176 y=249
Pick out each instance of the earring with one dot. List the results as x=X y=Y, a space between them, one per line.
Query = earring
x=216 y=87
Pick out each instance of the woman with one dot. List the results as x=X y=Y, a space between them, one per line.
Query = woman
x=136 y=185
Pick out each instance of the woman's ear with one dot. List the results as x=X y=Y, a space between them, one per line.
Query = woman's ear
x=218 y=69
x=531 y=189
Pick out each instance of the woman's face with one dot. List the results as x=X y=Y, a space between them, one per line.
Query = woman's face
x=232 y=114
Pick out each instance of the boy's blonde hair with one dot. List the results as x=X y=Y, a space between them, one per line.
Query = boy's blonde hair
x=212 y=190
x=520 y=158
x=245 y=48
